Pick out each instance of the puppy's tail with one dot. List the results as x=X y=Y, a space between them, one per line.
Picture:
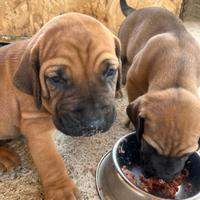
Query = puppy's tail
x=126 y=10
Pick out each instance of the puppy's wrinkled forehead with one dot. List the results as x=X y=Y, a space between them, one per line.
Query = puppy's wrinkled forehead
x=77 y=40
x=172 y=122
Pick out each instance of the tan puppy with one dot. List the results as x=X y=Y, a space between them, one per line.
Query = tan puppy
x=65 y=75
x=162 y=85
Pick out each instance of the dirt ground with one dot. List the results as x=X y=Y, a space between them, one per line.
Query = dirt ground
x=81 y=156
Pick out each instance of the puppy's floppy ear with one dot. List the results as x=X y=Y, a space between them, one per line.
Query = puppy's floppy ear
x=199 y=142
x=26 y=77
x=119 y=78
x=136 y=117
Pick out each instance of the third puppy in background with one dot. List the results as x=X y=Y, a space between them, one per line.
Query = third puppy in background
x=163 y=64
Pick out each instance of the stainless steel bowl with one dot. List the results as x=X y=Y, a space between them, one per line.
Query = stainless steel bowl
x=112 y=184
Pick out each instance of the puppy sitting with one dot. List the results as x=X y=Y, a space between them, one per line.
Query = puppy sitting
x=163 y=64
x=65 y=76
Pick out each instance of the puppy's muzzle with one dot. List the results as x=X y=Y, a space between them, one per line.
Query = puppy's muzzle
x=162 y=167
x=84 y=121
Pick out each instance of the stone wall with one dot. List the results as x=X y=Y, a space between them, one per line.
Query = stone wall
x=25 y=17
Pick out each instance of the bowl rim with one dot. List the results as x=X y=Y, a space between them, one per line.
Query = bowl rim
x=100 y=193
x=125 y=179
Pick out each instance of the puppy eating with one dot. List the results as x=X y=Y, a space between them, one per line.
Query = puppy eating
x=161 y=68
x=66 y=77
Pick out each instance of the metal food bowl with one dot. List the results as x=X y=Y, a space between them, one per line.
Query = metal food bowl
x=112 y=184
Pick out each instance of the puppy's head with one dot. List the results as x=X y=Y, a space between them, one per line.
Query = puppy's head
x=168 y=128
x=72 y=68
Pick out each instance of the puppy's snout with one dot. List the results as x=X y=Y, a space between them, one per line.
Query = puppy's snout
x=84 y=109
x=94 y=123
x=96 y=118
x=162 y=167
x=85 y=119
x=168 y=177
x=150 y=172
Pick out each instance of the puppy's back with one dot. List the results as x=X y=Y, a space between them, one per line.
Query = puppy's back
x=145 y=23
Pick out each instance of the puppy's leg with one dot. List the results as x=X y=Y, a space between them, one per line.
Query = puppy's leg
x=125 y=67
x=8 y=159
x=57 y=185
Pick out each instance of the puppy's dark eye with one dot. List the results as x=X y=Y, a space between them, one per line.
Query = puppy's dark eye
x=110 y=71
x=56 y=80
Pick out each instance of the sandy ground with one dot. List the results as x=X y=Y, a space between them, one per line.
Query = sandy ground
x=81 y=156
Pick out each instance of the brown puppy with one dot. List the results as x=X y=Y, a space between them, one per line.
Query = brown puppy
x=162 y=84
x=65 y=75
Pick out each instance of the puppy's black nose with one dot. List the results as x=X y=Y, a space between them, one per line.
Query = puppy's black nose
x=166 y=177
x=150 y=172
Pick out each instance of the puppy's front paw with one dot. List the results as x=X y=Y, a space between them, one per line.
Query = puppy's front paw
x=66 y=192
x=8 y=159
